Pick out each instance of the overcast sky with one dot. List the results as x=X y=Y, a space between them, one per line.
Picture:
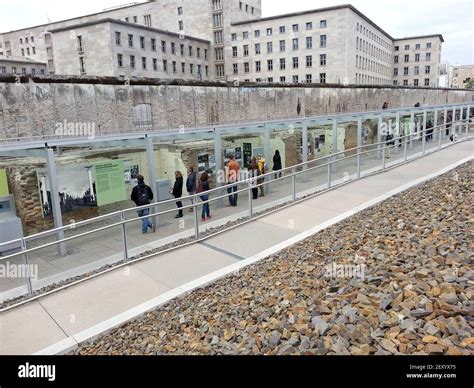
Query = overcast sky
x=452 y=18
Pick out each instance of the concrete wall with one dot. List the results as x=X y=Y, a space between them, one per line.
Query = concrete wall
x=35 y=109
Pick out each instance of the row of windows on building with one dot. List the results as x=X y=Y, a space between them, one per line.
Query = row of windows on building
x=373 y=36
x=417 y=46
x=246 y=7
x=370 y=65
x=146 y=20
x=295 y=45
x=372 y=50
x=416 y=70
x=308 y=78
x=28 y=52
x=167 y=66
x=163 y=46
x=416 y=82
x=406 y=58
x=282 y=30
x=295 y=64
x=27 y=40
x=24 y=70
x=365 y=79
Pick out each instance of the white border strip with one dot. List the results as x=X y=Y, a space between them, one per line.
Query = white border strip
x=102 y=328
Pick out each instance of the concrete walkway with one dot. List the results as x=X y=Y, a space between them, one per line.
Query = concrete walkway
x=57 y=322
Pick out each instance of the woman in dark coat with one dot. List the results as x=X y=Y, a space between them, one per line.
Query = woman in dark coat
x=277 y=163
x=178 y=192
x=203 y=188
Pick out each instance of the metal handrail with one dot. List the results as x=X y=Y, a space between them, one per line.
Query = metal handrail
x=194 y=197
x=249 y=183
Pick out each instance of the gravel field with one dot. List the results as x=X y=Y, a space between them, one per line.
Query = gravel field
x=397 y=278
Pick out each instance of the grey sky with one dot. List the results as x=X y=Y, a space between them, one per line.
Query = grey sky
x=452 y=18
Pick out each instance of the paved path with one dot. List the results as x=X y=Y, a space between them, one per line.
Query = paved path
x=54 y=322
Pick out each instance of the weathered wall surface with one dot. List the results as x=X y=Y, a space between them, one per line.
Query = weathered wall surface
x=28 y=109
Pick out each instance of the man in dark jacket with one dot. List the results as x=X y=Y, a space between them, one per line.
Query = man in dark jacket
x=191 y=184
x=142 y=195
x=178 y=192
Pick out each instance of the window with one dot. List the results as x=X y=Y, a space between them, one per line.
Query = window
x=257 y=33
x=395 y=83
x=282 y=64
x=183 y=67
x=217 y=20
x=295 y=79
x=181 y=25
x=417 y=70
x=322 y=59
x=27 y=51
x=407 y=58
x=282 y=29
x=415 y=82
x=269 y=32
x=234 y=52
x=206 y=55
x=165 y=65
x=147 y=20
x=405 y=82
x=283 y=79
x=82 y=65
x=322 y=40
x=181 y=49
x=309 y=26
x=163 y=46
x=270 y=65
x=295 y=27
x=173 y=48
x=309 y=78
x=135 y=19
x=33 y=71
x=120 y=60
x=219 y=54
x=309 y=42
x=180 y=10
x=428 y=57
x=323 y=24
x=417 y=57
x=246 y=50
x=427 y=69
x=132 y=61
x=295 y=62
x=428 y=45
x=198 y=52
x=427 y=82
x=397 y=48
x=407 y=47
x=258 y=66
x=235 y=68
x=269 y=47
x=245 y=35
x=417 y=47
x=22 y=52
x=118 y=38
x=282 y=46
x=309 y=61
x=218 y=37
x=395 y=71
x=79 y=44
x=130 y=40
x=246 y=67
x=155 y=64
x=34 y=50
x=322 y=78
x=270 y=79
x=190 y=49
x=144 y=63
x=395 y=59
x=295 y=44
x=175 y=70
x=13 y=70
x=234 y=37
x=405 y=71
x=142 y=42
x=257 y=48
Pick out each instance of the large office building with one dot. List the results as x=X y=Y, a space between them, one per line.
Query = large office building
x=229 y=40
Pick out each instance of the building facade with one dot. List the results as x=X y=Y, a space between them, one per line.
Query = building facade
x=21 y=66
x=461 y=77
x=417 y=61
x=327 y=45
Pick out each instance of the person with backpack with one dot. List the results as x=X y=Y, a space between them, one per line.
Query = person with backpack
x=142 y=195
x=203 y=187
x=178 y=192
x=191 y=185
x=262 y=168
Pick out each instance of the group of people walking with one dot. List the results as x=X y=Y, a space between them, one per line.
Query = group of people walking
x=142 y=194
